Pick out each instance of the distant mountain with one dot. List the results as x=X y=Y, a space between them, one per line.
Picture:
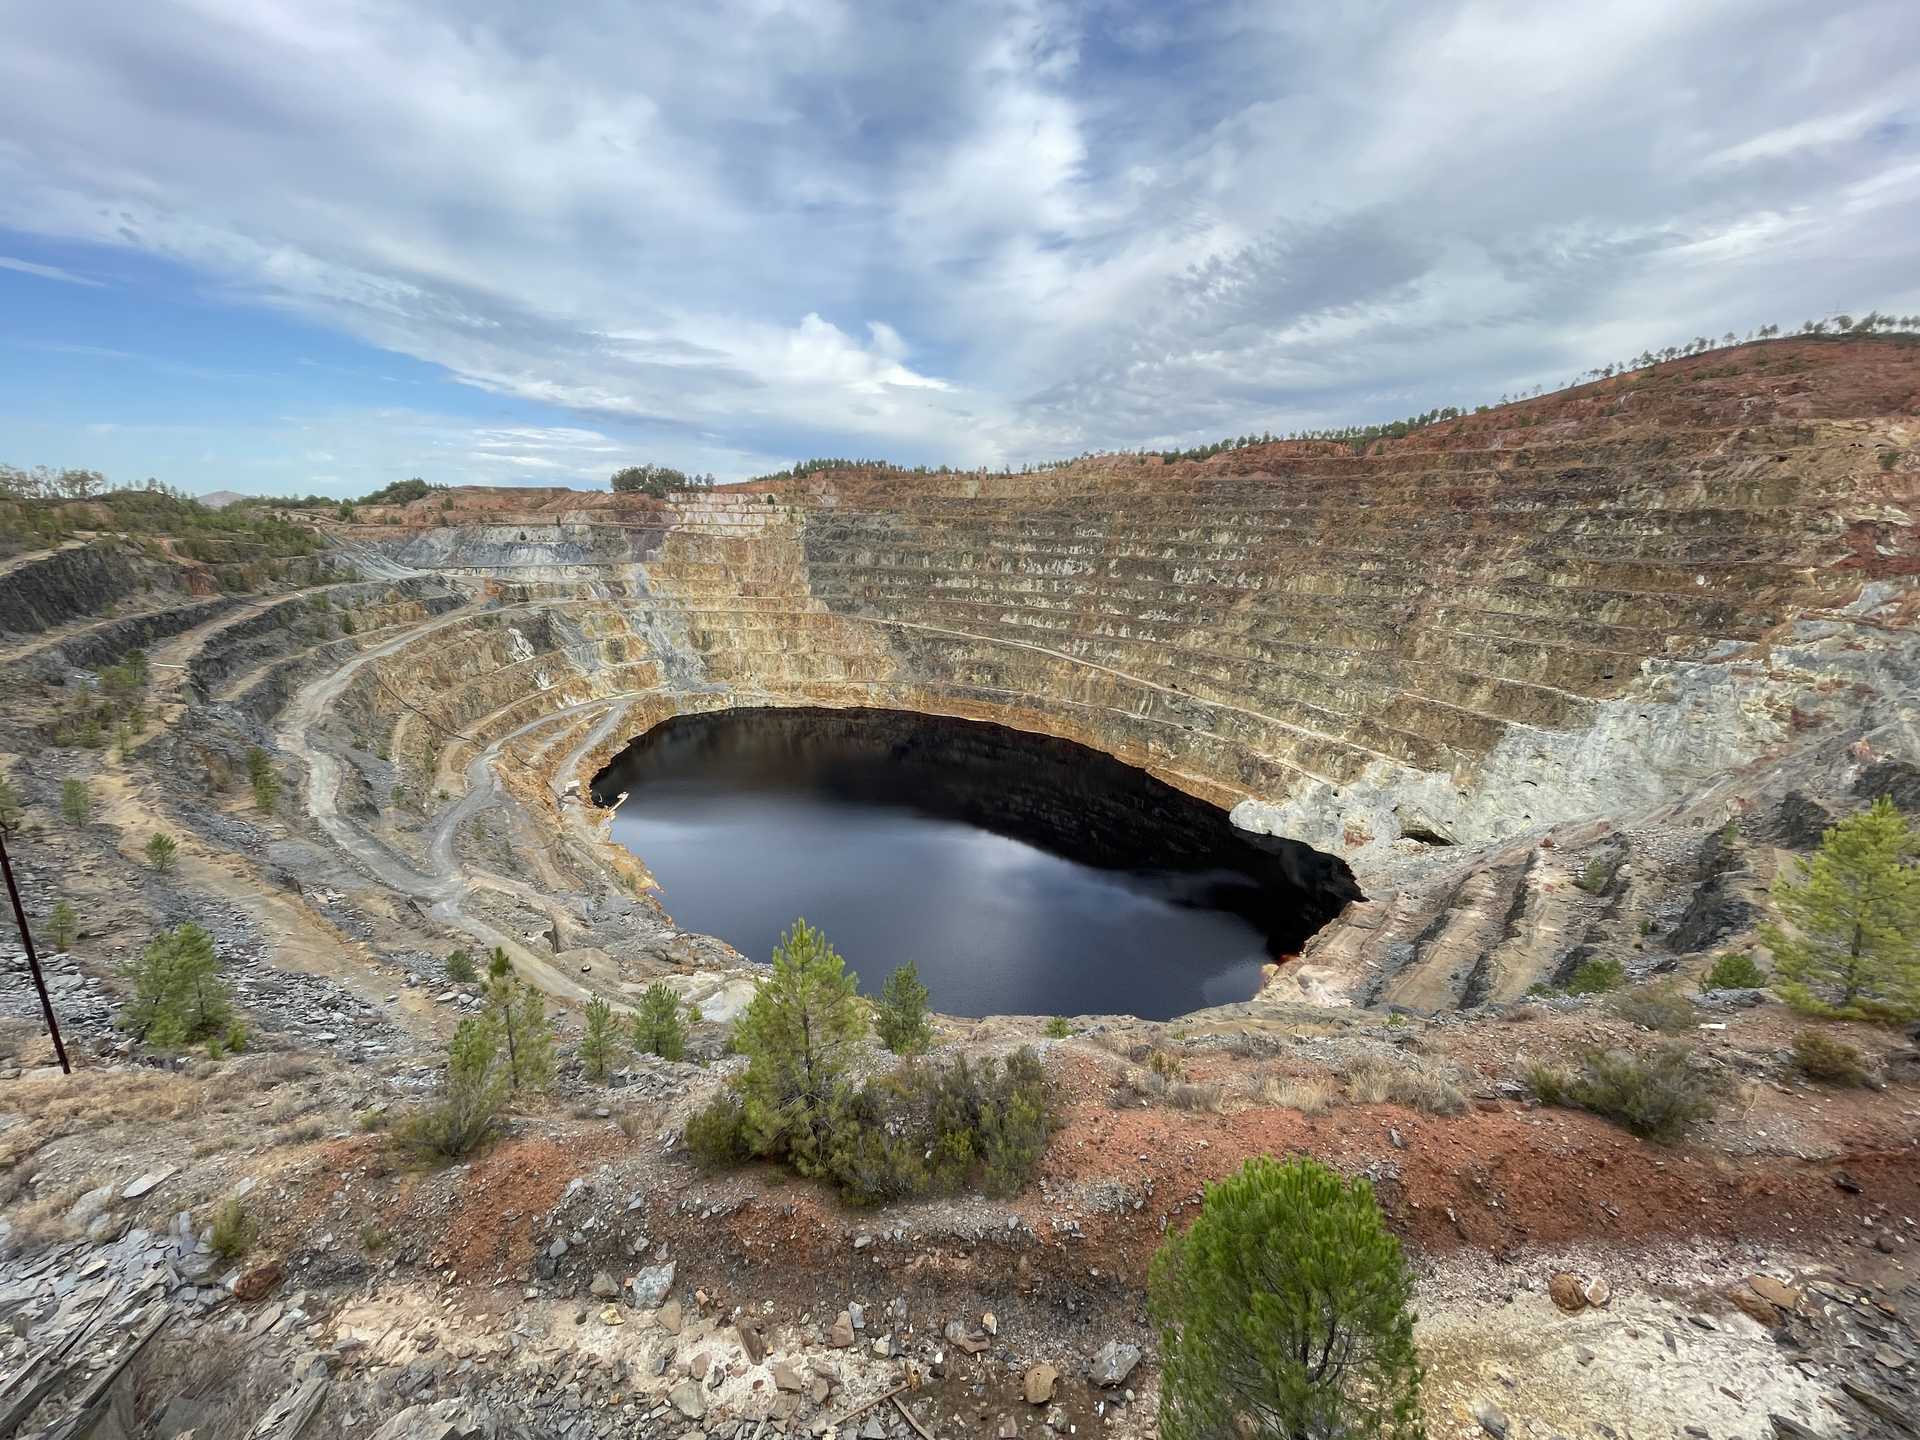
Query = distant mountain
x=220 y=498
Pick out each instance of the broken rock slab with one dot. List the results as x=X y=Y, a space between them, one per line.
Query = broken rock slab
x=148 y=1182
x=1112 y=1363
x=446 y=1420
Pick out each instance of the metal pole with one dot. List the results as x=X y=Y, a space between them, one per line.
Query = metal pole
x=33 y=960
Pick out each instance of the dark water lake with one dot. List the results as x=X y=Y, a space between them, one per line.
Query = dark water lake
x=1022 y=874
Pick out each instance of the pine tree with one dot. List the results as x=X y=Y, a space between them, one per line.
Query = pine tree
x=65 y=926
x=467 y=1107
x=901 y=1021
x=798 y=1034
x=178 y=995
x=160 y=851
x=13 y=814
x=1851 y=941
x=657 y=1026
x=520 y=1013
x=76 y=802
x=1283 y=1311
x=596 y=1041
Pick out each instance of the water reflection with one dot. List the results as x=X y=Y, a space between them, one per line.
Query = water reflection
x=1023 y=874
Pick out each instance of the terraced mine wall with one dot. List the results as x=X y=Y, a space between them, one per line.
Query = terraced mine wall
x=1409 y=655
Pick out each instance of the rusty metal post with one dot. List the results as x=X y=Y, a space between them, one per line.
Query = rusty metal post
x=33 y=960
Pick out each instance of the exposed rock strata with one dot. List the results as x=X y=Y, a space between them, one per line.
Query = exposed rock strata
x=1424 y=659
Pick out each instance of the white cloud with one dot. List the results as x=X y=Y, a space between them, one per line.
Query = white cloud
x=987 y=231
x=48 y=272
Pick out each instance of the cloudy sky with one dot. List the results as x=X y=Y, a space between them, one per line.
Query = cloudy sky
x=322 y=244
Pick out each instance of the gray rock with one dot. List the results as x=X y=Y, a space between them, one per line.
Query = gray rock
x=652 y=1285
x=1492 y=1419
x=90 y=1207
x=689 y=1399
x=1113 y=1363
x=147 y=1182
x=603 y=1287
x=446 y=1420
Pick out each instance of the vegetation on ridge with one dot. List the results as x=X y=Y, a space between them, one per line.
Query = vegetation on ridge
x=1285 y=1309
x=922 y=1129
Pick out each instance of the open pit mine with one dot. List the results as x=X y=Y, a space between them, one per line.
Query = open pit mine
x=1543 y=693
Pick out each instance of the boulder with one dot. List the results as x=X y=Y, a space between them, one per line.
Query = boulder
x=1567 y=1292
x=603 y=1287
x=841 y=1335
x=785 y=1377
x=1113 y=1363
x=671 y=1318
x=650 y=1288
x=689 y=1399
x=1038 y=1383
x=90 y=1207
x=257 y=1283
x=1597 y=1291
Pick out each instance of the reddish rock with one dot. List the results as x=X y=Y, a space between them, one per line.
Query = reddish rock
x=258 y=1282
x=1567 y=1292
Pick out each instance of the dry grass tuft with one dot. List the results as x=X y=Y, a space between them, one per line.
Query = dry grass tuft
x=1309 y=1097
x=1417 y=1086
x=1188 y=1096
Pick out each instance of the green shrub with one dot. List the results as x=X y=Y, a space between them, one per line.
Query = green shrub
x=64 y=926
x=1655 y=1007
x=1058 y=1029
x=13 y=814
x=939 y=1129
x=266 y=791
x=518 y=1013
x=1820 y=1056
x=901 y=1018
x=597 y=1041
x=1655 y=1096
x=1851 y=942
x=178 y=996
x=657 y=1026
x=161 y=849
x=717 y=1134
x=466 y=1109
x=234 y=1231
x=460 y=968
x=1596 y=976
x=1284 y=1310
x=76 y=802
x=799 y=1034
x=1735 y=970
x=1596 y=877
